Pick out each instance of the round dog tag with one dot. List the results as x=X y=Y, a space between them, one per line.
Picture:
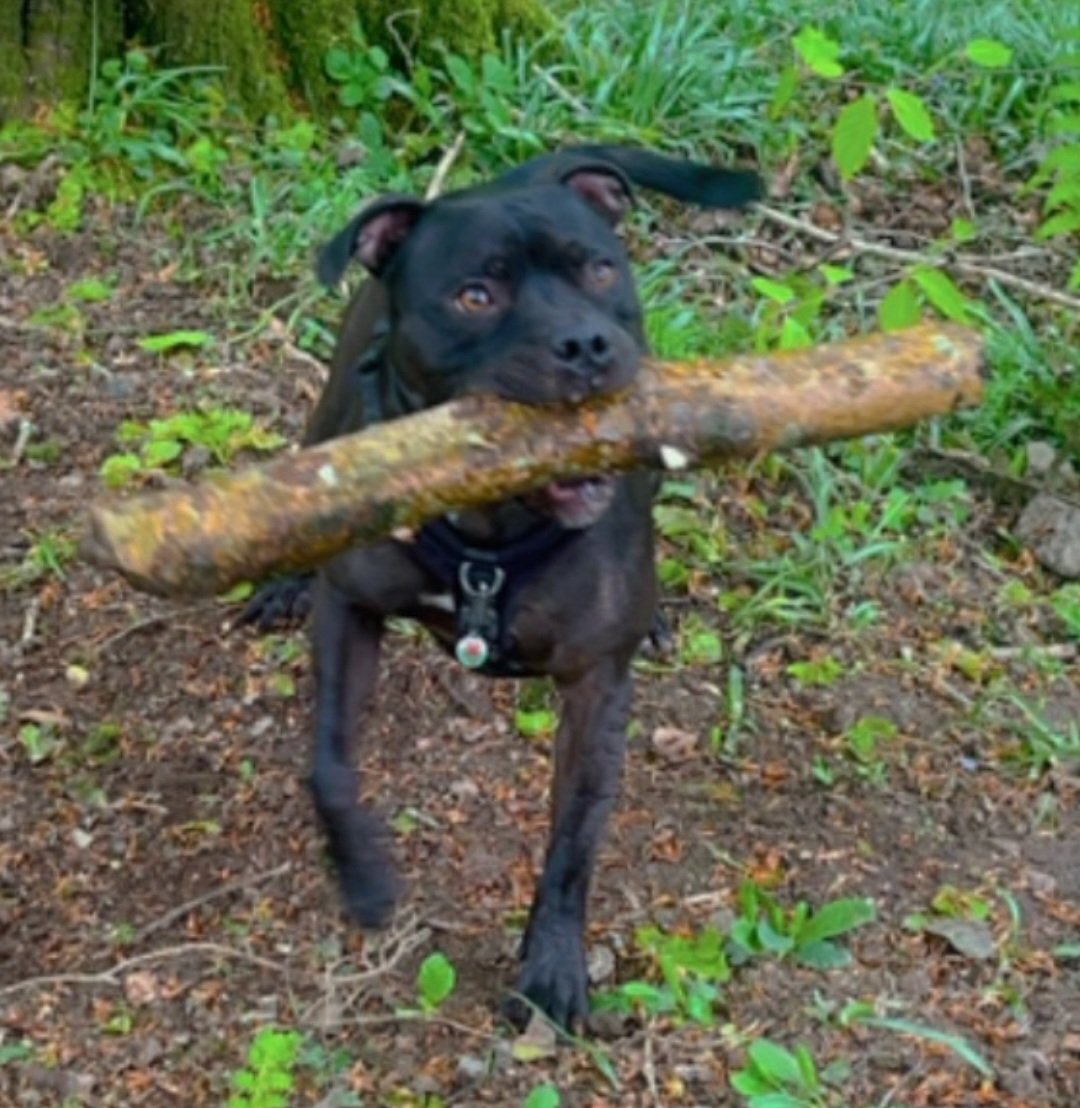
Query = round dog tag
x=472 y=650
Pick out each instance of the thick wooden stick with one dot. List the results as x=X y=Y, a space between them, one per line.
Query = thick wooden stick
x=306 y=506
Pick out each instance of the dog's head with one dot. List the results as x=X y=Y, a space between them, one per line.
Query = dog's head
x=521 y=291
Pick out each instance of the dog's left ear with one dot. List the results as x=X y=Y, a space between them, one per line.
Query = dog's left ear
x=371 y=238
x=603 y=187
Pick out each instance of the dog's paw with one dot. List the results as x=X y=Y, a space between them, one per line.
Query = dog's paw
x=553 y=976
x=278 y=603
x=660 y=642
x=370 y=886
x=371 y=891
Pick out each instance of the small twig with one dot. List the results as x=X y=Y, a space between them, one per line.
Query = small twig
x=52 y=979
x=181 y=910
x=405 y=937
x=648 y=1068
x=975 y=467
x=421 y=1017
x=1062 y=651
x=578 y=105
x=143 y=624
x=280 y=329
x=711 y=899
x=22 y=441
x=43 y=168
x=443 y=168
x=111 y=976
x=392 y=30
x=468 y=704
x=965 y=179
x=913 y=257
x=297 y=354
x=183 y=949
x=939 y=684
x=29 y=627
x=908 y=1078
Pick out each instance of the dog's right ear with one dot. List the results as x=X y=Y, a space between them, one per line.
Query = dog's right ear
x=371 y=238
x=602 y=186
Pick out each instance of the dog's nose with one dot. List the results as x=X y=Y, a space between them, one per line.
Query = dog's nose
x=587 y=354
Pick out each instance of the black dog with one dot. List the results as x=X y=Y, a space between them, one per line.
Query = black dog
x=519 y=287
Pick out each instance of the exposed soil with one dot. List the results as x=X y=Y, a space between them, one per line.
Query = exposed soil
x=163 y=891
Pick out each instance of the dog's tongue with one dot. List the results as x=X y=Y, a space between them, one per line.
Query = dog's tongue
x=579 y=502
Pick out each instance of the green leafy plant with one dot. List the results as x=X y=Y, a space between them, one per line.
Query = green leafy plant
x=960 y=918
x=857 y=124
x=48 y=556
x=775 y=1077
x=534 y=712
x=542 y=1096
x=60 y=317
x=40 y=741
x=89 y=289
x=160 y=444
x=18 y=1050
x=269 y=1075
x=725 y=739
x=862 y=519
x=822 y=671
x=136 y=127
x=691 y=969
x=435 y=981
x=859 y=1013
x=1060 y=167
x=863 y=741
x=1039 y=745
x=764 y=926
x=789 y=311
x=1065 y=603
x=174 y=340
x=699 y=644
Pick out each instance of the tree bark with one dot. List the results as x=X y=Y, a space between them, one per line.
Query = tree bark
x=271 y=51
x=306 y=506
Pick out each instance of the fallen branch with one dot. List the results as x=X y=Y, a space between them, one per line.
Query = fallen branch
x=242 y=884
x=304 y=507
x=113 y=975
x=913 y=257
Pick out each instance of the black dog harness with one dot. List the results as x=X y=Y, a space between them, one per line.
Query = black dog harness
x=484 y=581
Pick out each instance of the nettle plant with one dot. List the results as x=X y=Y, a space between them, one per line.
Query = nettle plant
x=1060 y=168
x=792 y=306
x=429 y=102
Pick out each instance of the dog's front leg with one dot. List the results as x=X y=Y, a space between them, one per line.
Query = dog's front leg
x=589 y=750
x=346 y=654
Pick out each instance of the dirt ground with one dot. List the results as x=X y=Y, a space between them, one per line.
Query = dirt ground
x=163 y=890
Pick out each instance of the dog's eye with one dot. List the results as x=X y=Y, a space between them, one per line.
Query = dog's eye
x=602 y=274
x=474 y=297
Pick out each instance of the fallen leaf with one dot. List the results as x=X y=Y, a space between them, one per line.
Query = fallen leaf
x=538 y=1040
x=673 y=744
x=969 y=937
x=11 y=407
x=141 y=988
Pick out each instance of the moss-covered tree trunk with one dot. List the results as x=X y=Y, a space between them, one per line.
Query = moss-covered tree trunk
x=48 y=47
x=271 y=51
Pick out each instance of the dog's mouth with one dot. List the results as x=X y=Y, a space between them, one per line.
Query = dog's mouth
x=576 y=502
